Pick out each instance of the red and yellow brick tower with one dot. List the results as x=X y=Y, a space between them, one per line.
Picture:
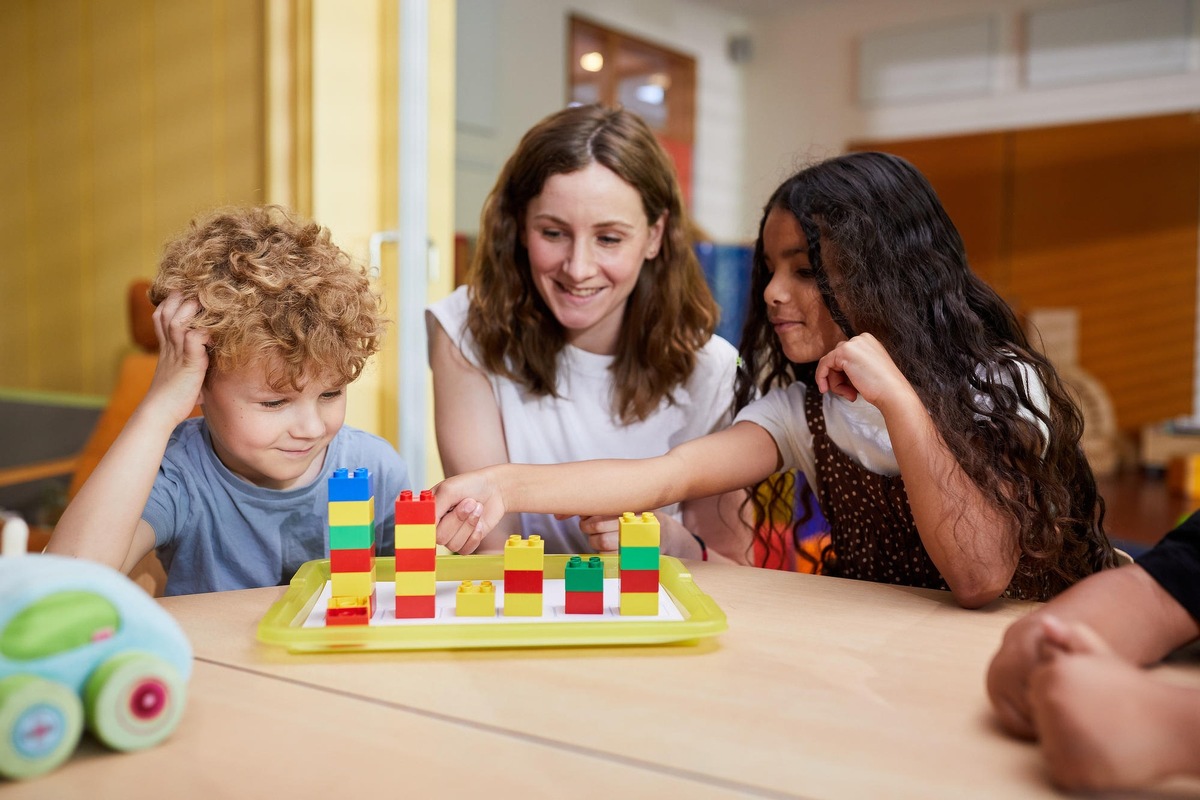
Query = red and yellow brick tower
x=524 y=576
x=416 y=556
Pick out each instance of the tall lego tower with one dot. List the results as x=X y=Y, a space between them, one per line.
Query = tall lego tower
x=351 y=548
x=416 y=556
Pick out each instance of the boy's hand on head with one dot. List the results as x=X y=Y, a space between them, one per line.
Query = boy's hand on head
x=861 y=366
x=182 y=358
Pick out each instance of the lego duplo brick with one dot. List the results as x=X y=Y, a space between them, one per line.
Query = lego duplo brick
x=638 y=530
x=475 y=599
x=638 y=558
x=416 y=583
x=350 y=610
x=344 y=485
x=585 y=603
x=639 y=604
x=524 y=581
x=419 y=559
x=416 y=537
x=639 y=580
x=525 y=554
x=352 y=584
x=584 y=576
x=522 y=605
x=416 y=607
x=351 y=537
x=357 y=560
x=352 y=512
x=416 y=511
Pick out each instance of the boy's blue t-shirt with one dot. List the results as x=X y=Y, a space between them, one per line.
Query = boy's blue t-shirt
x=214 y=531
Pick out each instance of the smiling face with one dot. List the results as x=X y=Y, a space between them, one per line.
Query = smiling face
x=587 y=236
x=801 y=320
x=270 y=438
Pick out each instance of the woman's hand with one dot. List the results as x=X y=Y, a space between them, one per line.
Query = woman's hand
x=468 y=506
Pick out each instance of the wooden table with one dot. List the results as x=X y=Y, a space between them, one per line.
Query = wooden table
x=821 y=688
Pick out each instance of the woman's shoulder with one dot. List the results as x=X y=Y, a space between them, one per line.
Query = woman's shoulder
x=451 y=311
x=716 y=357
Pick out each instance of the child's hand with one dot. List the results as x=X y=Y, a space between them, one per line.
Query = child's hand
x=468 y=506
x=1008 y=676
x=860 y=366
x=182 y=358
x=1103 y=723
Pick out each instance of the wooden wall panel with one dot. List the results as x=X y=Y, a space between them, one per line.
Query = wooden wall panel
x=1101 y=217
x=968 y=174
x=1105 y=219
x=122 y=121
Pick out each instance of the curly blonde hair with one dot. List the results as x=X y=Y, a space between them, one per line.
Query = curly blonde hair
x=273 y=285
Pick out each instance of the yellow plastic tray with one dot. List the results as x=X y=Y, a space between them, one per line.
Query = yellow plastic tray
x=283 y=623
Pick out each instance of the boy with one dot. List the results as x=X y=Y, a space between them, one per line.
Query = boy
x=263 y=321
x=1070 y=674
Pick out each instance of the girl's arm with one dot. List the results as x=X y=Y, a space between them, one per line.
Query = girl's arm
x=470 y=433
x=973 y=545
x=711 y=465
x=103 y=523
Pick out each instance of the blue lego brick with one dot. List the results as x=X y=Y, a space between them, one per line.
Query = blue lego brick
x=346 y=486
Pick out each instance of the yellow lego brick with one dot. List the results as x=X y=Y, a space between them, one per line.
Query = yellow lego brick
x=410 y=584
x=639 y=531
x=525 y=554
x=522 y=605
x=639 y=604
x=412 y=537
x=473 y=600
x=352 y=584
x=352 y=512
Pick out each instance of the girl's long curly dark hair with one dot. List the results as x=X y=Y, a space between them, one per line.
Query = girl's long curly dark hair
x=900 y=272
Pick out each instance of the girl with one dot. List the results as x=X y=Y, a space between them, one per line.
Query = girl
x=943 y=448
x=586 y=328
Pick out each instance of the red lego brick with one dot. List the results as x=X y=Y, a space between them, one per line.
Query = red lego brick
x=415 y=512
x=639 y=580
x=350 y=613
x=423 y=559
x=357 y=560
x=585 y=603
x=523 y=581
x=416 y=607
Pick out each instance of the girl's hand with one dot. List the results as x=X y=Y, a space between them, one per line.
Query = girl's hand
x=861 y=366
x=182 y=358
x=468 y=507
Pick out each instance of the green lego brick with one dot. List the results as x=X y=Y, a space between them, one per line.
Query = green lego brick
x=351 y=537
x=584 y=576
x=639 y=558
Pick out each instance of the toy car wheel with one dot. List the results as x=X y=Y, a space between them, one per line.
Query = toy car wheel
x=134 y=701
x=40 y=724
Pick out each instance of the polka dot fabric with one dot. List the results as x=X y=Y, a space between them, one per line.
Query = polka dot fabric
x=872 y=533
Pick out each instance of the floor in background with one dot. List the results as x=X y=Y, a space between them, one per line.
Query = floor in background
x=1140 y=509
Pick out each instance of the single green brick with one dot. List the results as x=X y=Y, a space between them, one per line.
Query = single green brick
x=584 y=576
x=351 y=537
x=638 y=558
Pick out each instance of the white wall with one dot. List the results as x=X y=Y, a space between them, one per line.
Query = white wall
x=512 y=61
x=801 y=86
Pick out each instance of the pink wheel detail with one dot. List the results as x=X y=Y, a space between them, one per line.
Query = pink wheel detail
x=148 y=699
